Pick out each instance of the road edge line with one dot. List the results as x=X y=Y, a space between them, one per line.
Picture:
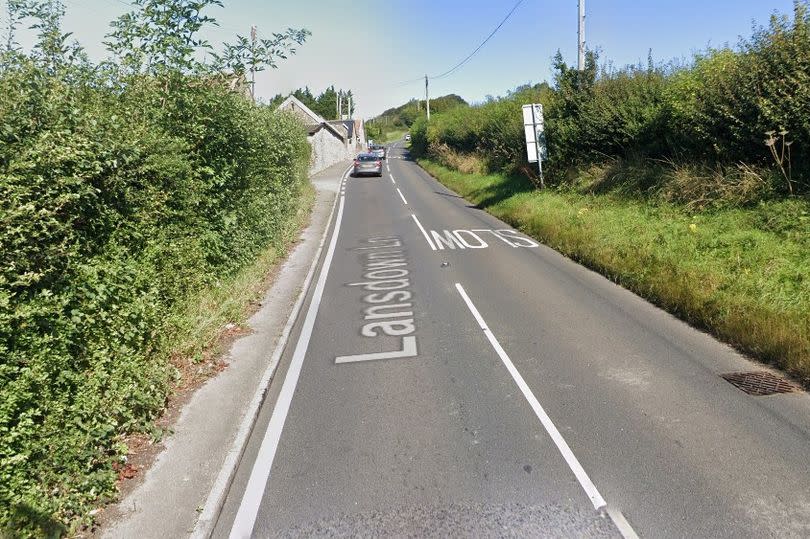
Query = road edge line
x=206 y=522
x=573 y=463
x=250 y=504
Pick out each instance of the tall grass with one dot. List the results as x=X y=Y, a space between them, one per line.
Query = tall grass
x=743 y=274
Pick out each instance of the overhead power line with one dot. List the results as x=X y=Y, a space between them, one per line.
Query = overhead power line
x=473 y=53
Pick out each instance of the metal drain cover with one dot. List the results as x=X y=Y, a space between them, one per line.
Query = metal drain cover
x=760 y=383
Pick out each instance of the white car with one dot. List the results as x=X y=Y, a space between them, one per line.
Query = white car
x=407 y=137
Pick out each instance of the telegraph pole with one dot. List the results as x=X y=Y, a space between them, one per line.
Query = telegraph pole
x=581 y=47
x=253 y=63
x=427 y=98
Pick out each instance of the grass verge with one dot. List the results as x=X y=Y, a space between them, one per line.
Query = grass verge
x=743 y=274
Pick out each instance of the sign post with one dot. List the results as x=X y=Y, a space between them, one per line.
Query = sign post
x=534 y=129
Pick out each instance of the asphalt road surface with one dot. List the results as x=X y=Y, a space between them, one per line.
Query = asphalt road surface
x=448 y=376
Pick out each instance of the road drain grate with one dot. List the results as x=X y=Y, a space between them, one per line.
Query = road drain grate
x=760 y=383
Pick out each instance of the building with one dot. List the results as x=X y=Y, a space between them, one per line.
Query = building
x=331 y=141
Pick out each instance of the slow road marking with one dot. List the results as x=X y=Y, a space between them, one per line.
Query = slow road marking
x=474 y=238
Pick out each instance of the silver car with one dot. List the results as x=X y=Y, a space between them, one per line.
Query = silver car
x=378 y=150
x=367 y=163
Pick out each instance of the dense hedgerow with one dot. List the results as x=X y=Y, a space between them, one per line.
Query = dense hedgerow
x=746 y=105
x=122 y=194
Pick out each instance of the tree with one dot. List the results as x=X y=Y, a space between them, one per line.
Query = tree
x=326 y=103
x=251 y=55
x=161 y=35
x=51 y=49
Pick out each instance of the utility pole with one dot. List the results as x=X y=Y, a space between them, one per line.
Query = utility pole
x=581 y=47
x=427 y=98
x=253 y=63
x=340 y=105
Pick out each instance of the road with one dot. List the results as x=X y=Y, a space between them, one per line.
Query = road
x=450 y=376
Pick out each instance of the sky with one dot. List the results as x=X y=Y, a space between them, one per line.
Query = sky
x=372 y=47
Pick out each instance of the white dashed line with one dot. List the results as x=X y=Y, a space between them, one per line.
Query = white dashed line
x=402 y=197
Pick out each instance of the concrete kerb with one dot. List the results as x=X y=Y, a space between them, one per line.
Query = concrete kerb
x=208 y=517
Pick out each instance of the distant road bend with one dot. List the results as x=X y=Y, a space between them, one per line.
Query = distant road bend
x=450 y=376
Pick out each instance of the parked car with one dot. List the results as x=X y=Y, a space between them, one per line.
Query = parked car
x=378 y=150
x=367 y=163
x=407 y=137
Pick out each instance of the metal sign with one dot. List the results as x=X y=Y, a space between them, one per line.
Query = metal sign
x=534 y=130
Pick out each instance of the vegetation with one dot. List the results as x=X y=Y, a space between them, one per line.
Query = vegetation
x=688 y=184
x=740 y=273
x=399 y=119
x=324 y=104
x=728 y=108
x=128 y=191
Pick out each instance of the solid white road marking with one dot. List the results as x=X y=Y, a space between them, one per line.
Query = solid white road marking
x=408 y=350
x=216 y=498
x=402 y=197
x=562 y=446
x=424 y=232
x=259 y=476
x=621 y=523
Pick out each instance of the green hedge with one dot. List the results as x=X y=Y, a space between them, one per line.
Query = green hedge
x=119 y=199
x=719 y=110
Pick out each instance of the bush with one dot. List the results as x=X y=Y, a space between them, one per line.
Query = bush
x=492 y=131
x=118 y=202
x=729 y=108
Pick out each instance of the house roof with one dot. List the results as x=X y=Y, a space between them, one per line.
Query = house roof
x=314 y=128
x=348 y=125
x=295 y=105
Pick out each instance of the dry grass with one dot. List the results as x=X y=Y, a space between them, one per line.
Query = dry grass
x=465 y=163
x=700 y=187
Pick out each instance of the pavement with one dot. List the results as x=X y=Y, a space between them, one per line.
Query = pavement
x=207 y=434
x=449 y=376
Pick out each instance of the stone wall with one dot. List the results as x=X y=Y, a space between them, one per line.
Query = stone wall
x=327 y=150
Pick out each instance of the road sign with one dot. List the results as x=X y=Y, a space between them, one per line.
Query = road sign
x=535 y=134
